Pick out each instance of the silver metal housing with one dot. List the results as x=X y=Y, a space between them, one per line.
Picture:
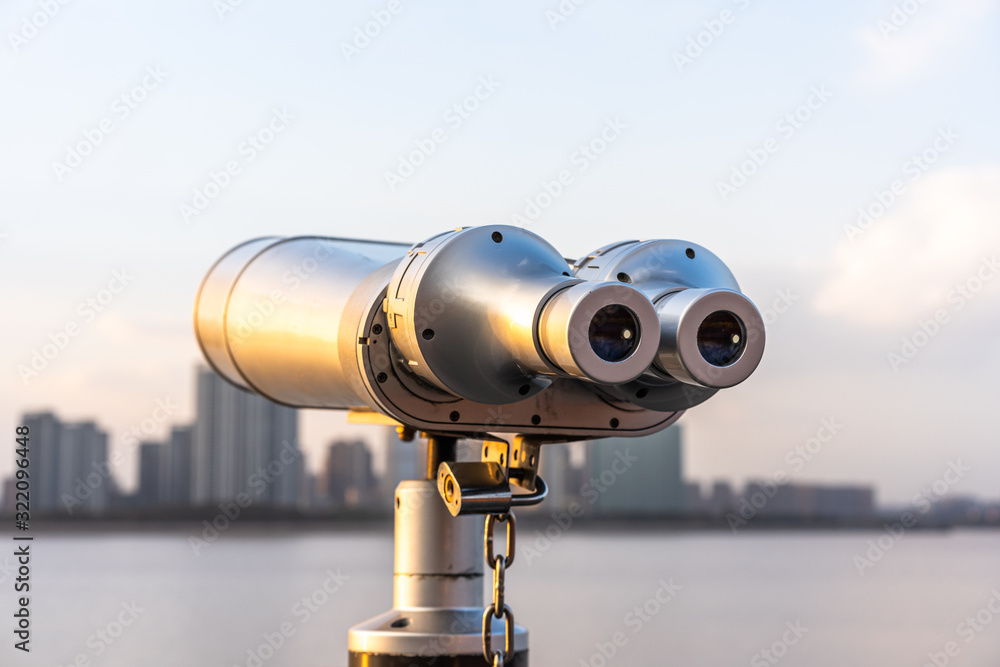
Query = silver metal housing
x=477 y=331
x=486 y=313
x=681 y=377
x=280 y=316
x=302 y=321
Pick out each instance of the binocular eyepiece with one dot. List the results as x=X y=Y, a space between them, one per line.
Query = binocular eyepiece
x=478 y=317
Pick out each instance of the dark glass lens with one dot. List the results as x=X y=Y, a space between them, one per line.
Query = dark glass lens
x=721 y=339
x=614 y=333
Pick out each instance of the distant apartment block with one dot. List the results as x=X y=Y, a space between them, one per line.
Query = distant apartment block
x=634 y=476
x=153 y=472
x=165 y=471
x=347 y=478
x=69 y=465
x=243 y=444
x=810 y=500
x=177 y=491
x=717 y=501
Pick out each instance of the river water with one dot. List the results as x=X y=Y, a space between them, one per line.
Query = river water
x=121 y=599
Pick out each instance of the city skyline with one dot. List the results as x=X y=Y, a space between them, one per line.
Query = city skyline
x=76 y=475
x=165 y=430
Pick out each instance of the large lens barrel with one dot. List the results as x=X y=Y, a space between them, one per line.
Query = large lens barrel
x=709 y=337
x=280 y=316
x=602 y=332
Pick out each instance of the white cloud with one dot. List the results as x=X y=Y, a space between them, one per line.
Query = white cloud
x=903 y=267
x=915 y=35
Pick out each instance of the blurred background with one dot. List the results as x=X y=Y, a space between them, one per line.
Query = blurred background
x=842 y=159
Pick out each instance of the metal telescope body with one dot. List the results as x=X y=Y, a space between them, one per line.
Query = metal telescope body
x=480 y=330
x=476 y=332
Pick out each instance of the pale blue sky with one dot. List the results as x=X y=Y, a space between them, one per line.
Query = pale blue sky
x=684 y=132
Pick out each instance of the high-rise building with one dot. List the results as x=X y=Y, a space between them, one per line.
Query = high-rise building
x=694 y=502
x=635 y=476
x=178 y=487
x=347 y=477
x=808 y=500
x=153 y=474
x=404 y=460
x=69 y=465
x=83 y=460
x=722 y=499
x=554 y=468
x=243 y=444
x=44 y=434
x=407 y=460
x=309 y=493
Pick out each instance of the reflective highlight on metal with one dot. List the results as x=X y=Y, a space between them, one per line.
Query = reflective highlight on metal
x=279 y=316
x=437 y=335
x=484 y=312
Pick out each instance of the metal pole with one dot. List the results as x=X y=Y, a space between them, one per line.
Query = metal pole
x=438 y=600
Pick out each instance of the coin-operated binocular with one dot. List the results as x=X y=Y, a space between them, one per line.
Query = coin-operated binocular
x=484 y=333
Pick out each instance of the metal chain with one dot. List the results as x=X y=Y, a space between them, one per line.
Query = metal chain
x=498 y=609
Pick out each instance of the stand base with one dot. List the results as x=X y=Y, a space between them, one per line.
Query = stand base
x=379 y=660
x=428 y=637
x=437 y=614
